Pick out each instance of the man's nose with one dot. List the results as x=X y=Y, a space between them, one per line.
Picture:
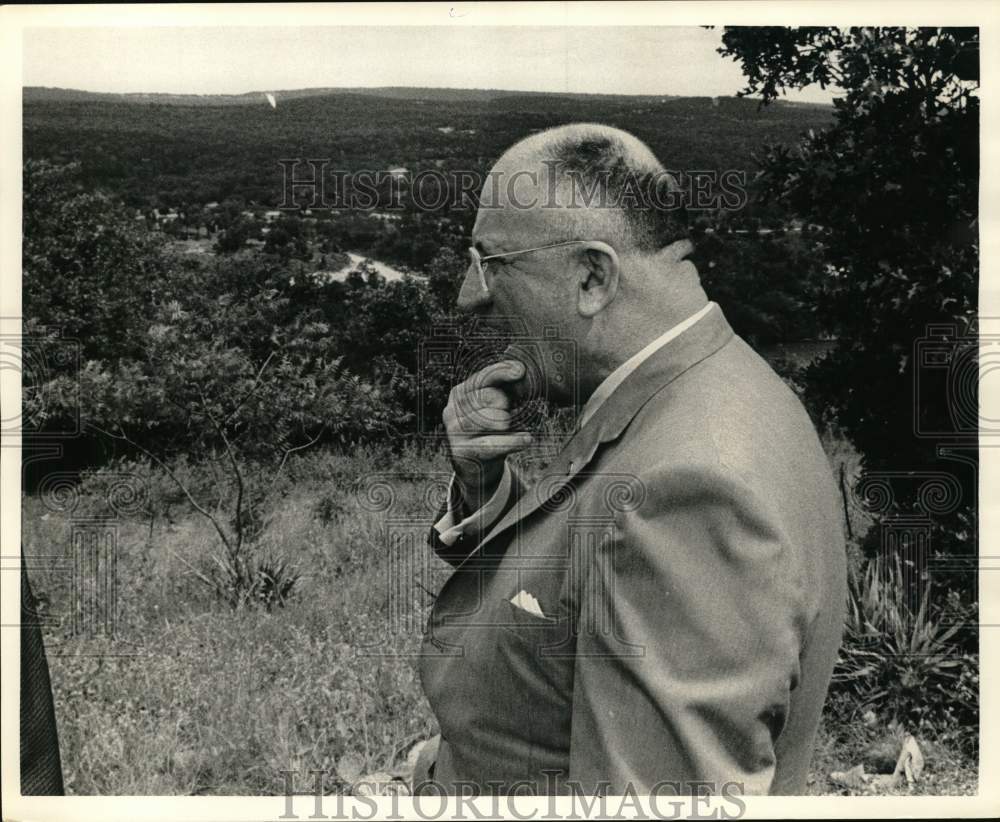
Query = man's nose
x=473 y=297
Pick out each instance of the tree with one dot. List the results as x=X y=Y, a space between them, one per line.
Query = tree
x=90 y=269
x=894 y=181
x=200 y=389
x=766 y=285
x=444 y=276
x=235 y=236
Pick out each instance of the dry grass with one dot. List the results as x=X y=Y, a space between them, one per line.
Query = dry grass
x=213 y=701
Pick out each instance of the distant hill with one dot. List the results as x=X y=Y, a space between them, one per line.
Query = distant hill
x=179 y=150
x=45 y=94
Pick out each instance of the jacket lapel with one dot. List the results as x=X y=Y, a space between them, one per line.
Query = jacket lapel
x=662 y=367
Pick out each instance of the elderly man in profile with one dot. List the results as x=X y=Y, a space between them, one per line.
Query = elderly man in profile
x=661 y=611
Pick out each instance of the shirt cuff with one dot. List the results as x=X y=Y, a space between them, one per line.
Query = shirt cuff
x=450 y=531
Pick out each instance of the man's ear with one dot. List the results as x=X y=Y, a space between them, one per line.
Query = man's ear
x=599 y=278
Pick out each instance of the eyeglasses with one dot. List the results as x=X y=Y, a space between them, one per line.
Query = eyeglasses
x=480 y=262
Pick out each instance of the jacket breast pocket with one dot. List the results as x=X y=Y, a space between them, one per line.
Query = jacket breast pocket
x=540 y=651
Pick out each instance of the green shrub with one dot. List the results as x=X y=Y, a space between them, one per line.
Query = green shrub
x=900 y=657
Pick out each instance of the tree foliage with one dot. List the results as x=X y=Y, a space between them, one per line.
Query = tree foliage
x=88 y=268
x=765 y=284
x=894 y=181
x=176 y=155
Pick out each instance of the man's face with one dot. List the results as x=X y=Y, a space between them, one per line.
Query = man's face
x=533 y=294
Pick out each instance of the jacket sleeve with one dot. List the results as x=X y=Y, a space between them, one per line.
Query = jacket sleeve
x=453 y=535
x=691 y=624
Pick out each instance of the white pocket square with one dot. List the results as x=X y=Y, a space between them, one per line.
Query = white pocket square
x=527 y=602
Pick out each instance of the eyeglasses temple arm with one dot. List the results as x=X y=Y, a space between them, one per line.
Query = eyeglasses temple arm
x=529 y=250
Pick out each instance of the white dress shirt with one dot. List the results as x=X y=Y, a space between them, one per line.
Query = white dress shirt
x=449 y=530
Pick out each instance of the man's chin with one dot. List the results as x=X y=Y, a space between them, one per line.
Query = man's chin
x=541 y=381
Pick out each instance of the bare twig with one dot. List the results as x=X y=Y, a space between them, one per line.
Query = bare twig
x=207 y=580
x=290 y=451
x=213 y=461
x=237 y=552
x=194 y=503
x=253 y=388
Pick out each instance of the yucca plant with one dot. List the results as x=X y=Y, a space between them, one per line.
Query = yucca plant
x=267 y=581
x=274 y=580
x=896 y=657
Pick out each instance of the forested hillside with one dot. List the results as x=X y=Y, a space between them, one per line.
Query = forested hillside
x=179 y=152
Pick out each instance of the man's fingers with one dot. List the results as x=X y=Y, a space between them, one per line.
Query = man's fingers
x=486 y=406
x=469 y=399
x=488 y=403
x=476 y=409
x=480 y=419
x=497 y=373
x=488 y=398
x=493 y=445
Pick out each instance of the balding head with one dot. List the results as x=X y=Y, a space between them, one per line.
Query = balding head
x=577 y=232
x=595 y=181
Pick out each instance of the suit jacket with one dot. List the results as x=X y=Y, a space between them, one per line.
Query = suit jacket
x=686 y=548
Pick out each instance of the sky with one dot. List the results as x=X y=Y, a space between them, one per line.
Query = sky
x=233 y=60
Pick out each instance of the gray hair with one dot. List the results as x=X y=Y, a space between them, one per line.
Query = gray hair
x=636 y=195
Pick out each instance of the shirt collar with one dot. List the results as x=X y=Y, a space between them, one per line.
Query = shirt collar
x=617 y=377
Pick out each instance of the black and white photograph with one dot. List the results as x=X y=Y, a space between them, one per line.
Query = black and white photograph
x=418 y=408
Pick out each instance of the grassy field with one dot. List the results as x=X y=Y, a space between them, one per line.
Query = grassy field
x=190 y=697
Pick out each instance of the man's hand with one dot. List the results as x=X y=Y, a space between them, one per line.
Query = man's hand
x=477 y=420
